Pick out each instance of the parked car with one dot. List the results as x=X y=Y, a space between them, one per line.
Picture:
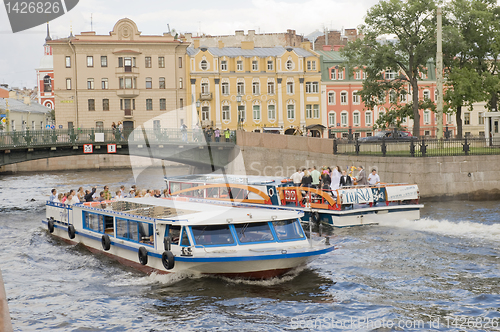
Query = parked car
x=388 y=135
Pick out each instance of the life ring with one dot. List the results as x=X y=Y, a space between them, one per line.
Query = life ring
x=106 y=242
x=71 y=231
x=168 y=260
x=50 y=225
x=143 y=255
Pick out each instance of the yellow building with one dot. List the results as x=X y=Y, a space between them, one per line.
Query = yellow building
x=255 y=89
x=123 y=76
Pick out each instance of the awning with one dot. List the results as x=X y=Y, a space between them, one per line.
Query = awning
x=316 y=126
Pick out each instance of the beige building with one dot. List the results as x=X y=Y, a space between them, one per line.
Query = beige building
x=123 y=76
x=256 y=88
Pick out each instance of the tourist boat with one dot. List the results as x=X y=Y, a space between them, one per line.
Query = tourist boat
x=348 y=206
x=166 y=235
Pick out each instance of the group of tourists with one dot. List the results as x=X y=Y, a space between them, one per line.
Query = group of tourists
x=210 y=134
x=328 y=179
x=91 y=195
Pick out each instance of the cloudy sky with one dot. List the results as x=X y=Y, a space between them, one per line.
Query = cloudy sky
x=21 y=52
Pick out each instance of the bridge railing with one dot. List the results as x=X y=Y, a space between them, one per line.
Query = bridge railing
x=55 y=137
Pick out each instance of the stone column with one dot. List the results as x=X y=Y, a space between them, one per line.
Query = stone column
x=217 y=102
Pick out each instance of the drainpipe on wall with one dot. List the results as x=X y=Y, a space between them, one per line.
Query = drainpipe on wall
x=76 y=82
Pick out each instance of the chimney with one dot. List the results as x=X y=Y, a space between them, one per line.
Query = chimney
x=196 y=43
x=239 y=33
x=306 y=45
x=337 y=48
x=27 y=100
x=221 y=44
x=251 y=33
x=247 y=45
x=327 y=47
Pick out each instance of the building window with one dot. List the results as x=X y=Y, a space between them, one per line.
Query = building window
x=104 y=84
x=290 y=112
x=91 y=103
x=316 y=111
x=241 y=114
x=161 y=83
x=311 y=65
x=68 y=62
x=104 y=61
x=270 y=88
x=149 y=104
x=480 y=119
x=340 y=75
x=312 y=87
x=256 y=112
x=331 y=98
x=204 y=65
x=255 y=88
x=240 y=88
x=289 y=87
x=105 y=104
x=343 y=98
x=357 y=74
x=68 y=84
x=161 y=62
x=427 y=117
x=355 y=97
x=149 y=83
x=271 y=112
x=47 y=84
x=427 y=95
x=466 y=118
x=392 y=97
x=270 y=65
x=239 y=65
x=332 y=121
x=147 y=62
x=223 y=65
x=204 y=88
x=163 y=104
x=181 y=83
x=364 y=77
x=205 y=113
x=355 y=118
x=129 y=83
x=390 y=75
x=225 y=88
x=181 y=103
x=403 y=96
x=128 y=65
x=343 y=119
x=226 y=114
x=368 y=118
x=90 y=61
x=289 y=65
x=333 y=73
x=255 y=65
x=90 y=84
x=180 y=62
x=308 y=111
x=99 y=125
x=120 y=62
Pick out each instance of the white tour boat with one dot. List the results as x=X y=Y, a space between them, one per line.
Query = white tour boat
x=347 y=206
x=174 y=235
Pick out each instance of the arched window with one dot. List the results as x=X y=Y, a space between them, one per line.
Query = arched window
x=331 y=98
x=47 y=84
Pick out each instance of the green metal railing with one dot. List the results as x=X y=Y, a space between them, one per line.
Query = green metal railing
x=419 y=147
x=55 y=137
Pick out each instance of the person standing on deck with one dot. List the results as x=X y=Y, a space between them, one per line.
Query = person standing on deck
x=315 y=174
x=362 y=177
x=53 y=195
x=297 y=177
x=373 y=178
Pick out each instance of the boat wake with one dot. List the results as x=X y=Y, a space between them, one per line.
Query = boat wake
x=462 y=229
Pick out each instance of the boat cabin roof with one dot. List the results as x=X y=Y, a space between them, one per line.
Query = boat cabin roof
x=228 y=178
x=193 y=213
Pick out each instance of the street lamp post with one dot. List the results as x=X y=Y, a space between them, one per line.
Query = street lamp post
x=240 y=120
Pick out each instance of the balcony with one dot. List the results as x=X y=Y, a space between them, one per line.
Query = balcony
x=206 y=96
x=207 y=123
x=128 y=113
x=127 y=92
x=126 y=70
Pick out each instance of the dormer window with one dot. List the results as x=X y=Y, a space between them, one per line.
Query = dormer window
x=204 y=65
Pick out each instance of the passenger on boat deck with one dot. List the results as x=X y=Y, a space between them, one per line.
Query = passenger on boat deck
x=315 y=175
x=59 y=198
x=362 y=176
x=326 y=180
x=335 y=176
x=296 y=177
x=53 y=195
x=131 y=193
x=101 y=197
x=373 y=178
x=345 y=180
x=81 y=194
x=306 y=179
x=157 y=193
x=122 y=190
x=165 y=193
x=72 y=198
x=107 y=193
x=89 y=195
x=65 y=197
x=147 y=193
x=118 y=194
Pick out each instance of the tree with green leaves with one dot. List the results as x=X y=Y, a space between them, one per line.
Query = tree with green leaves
x=399 y=41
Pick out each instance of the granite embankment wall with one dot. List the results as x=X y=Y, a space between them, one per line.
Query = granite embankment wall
x=461 y=177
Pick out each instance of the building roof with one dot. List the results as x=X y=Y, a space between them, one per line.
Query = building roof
x=46 y=62
x=331 y=55
x=233 y=52
x=18 y=106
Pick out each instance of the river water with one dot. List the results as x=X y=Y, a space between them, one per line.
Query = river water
x=438 y=273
